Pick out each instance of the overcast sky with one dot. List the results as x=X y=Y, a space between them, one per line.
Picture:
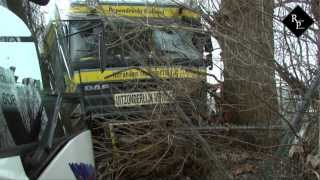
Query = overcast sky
x=22 y=55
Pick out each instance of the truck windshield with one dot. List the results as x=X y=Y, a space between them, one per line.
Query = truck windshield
x=126 y=44
x=176 y=44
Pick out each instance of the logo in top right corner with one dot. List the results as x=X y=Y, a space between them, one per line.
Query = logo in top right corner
x=298 y=21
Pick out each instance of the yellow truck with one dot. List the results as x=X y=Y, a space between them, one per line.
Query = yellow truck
x=127 y=57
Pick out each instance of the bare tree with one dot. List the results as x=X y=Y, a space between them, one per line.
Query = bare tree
x=246 y=41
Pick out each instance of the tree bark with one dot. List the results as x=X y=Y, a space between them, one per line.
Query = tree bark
x=246 y=40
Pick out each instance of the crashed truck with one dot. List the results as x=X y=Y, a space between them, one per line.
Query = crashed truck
x=127 y=58
x=31 y=144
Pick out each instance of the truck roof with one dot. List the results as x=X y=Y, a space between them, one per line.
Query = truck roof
x=134 y=9
x=137 y=2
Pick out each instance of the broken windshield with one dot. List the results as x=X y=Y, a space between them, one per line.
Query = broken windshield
x=126 y=44
x=176 y=44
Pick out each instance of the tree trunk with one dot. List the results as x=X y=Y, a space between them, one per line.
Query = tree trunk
x=247 y=52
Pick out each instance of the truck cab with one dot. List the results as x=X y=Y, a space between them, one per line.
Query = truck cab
x=126 y=57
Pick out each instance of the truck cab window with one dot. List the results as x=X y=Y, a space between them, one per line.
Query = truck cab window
x=84 y=40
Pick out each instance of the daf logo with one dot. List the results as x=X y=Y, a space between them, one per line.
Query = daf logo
x=96 y=87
